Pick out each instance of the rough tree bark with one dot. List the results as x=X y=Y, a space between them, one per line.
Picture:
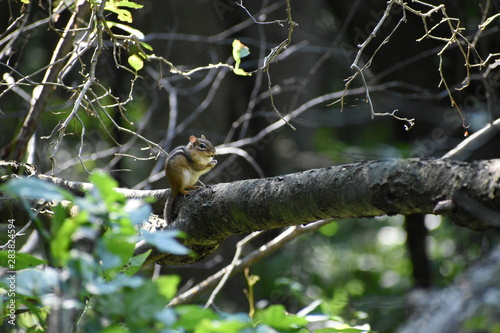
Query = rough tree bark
x=469 y=193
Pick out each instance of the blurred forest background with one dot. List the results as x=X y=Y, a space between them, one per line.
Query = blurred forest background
x=359 y=268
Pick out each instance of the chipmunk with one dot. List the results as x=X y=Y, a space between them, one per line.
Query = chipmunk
x=184 y=166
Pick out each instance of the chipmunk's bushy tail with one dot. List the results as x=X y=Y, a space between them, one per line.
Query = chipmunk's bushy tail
x=169 y=204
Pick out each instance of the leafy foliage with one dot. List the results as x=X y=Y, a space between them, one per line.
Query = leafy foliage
x=88 y=254
x=117 y=8
x=90 y=267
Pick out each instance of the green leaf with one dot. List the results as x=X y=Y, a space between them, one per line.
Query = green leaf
x=115 y=251
x=99 y=286
x=135 y=263
x=277 y=317
x=32 y=318
x=134 y=32
x=60 y=215
x=105 y=186
x=166 y=316
x=34 y=188
x=167 y=285
x=84 y=266
x=144 y=311
x=138 y=211
x=136 y=62
x=22 y=260
x=123 y=14
x=329 y=229
x=191 y=315
x=60 y=244
x=217 y=326
x=146 y=46
x=341 y=330
x=129 y=4
x=166 y=241
x=134 y=306
x=120 y=243
x=35 y=282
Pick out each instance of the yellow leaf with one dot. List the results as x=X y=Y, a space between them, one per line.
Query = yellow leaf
x=239 y=71
x=136 y=62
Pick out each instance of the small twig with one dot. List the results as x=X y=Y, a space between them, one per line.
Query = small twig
x=204 y=105
x=249 y=293
x=186 y=74
x=374 y=32
x=298 y=111
x=237 y=254
x=274 y=53
x=18 y=234
x=411 y=121
x=355 y=65
x=244 y=154
x=456 y=38
x=284 y=44
x=62 y=127
x=137 y=158
x=80 y=149
x=240 y=4
x=120 y=128
x=265 y=250
x=271 y=98
x=173 y=111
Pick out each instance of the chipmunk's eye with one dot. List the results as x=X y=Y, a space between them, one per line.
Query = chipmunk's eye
x=203 y=146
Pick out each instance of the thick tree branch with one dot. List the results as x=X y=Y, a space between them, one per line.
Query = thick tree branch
x=363 y=189
x=469 y=193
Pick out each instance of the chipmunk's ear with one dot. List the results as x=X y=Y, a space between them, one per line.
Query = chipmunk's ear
x=203 y=137
x=192 y=139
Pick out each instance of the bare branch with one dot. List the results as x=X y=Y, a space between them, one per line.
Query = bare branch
x=230 y=268
x=41 y=96
x=463 y=150
x=297 y=112
x=239 y=265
